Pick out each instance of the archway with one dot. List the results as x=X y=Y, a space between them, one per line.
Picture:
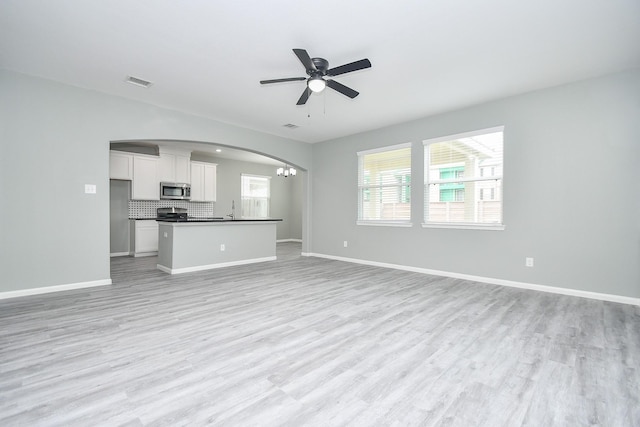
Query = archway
x=231 y=157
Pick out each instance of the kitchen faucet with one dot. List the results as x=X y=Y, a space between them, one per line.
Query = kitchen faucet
x=233 y=210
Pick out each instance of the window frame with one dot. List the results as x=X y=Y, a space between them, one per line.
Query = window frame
x=480 y=178
x=364 y=190
x=243 y=197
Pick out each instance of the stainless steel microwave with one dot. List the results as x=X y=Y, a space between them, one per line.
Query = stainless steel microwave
x=175 y=191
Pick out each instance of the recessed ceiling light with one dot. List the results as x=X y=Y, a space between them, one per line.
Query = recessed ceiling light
x=218 y=150
x=138 y=82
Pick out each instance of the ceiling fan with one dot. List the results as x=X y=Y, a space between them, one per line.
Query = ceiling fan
x=318 y=69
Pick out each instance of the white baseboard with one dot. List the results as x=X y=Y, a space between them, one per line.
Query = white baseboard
x=115 y=254
x=56 y=288
x=142 y=254
x=289 y=240
x=212 y=266
x=510 y=283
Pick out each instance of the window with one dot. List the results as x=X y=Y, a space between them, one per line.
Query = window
x=463 y=180
x=255 y=193
x=384 y=186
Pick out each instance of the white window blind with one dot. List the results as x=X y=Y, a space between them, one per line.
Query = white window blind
x=255 y=194
x=384 y=185
x=463 y=179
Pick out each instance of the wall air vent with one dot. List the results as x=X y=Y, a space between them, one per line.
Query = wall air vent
x=138 y=82
x=291 y=126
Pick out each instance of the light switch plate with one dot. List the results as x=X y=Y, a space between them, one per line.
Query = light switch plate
x=90 y=189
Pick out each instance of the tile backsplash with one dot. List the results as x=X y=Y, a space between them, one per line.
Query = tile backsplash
x=147 y=208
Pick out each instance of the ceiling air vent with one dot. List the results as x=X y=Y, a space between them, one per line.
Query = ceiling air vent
x=138 y=82
x=291 y=126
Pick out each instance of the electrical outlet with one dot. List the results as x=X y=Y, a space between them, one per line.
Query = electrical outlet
x=345 y=243
x=222 y=247
x=165 y=235
x=528 y=262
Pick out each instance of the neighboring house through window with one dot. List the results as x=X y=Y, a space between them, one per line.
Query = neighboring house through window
x=384 y=186
x=463 y=180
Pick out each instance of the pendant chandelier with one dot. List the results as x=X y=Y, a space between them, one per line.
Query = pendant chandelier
x=286 y=171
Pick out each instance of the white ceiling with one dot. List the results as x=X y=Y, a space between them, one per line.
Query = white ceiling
x=206 y=57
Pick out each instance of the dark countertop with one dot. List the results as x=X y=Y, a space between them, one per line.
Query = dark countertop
x=216 y=219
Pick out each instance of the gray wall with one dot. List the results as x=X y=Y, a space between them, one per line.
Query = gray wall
x=574 y=147
x=55 y=138
x=571 y=191
x=286 y=199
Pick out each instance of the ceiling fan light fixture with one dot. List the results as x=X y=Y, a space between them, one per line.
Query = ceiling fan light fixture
x=316 y=84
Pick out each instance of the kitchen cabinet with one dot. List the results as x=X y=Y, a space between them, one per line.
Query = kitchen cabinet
x=203 y=182
x=144 y=237
x=175 y=167
x=120 y=165
x=145 y=185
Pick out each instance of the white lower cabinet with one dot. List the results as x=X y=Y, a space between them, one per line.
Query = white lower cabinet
x=144 y=237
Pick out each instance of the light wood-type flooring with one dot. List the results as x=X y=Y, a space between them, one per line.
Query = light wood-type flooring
x=310 y=341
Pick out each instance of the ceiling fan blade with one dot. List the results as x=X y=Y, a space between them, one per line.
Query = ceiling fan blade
x=347 y=91
x=290 y=79
x=347 y=68
x=304 y=97
x=304 y=57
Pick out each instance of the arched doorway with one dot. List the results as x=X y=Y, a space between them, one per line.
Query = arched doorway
x=289 y=194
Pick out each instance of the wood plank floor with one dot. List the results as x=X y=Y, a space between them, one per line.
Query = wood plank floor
x=309 y=341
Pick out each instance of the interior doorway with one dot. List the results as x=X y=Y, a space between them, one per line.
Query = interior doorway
x=287 y=201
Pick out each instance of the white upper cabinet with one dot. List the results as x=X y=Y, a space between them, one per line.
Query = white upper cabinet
x=166 y=168
x=120 y=165
x=175 y=166
x=146 y=185
x=210 y=183
x=183 y=169
x=203 y=182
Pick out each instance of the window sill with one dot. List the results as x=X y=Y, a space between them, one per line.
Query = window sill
x=465 y=226
x=386 y=223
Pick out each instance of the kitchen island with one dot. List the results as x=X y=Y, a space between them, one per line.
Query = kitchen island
x=203 y=244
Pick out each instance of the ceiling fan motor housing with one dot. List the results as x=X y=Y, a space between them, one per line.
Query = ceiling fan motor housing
x=321 y=65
